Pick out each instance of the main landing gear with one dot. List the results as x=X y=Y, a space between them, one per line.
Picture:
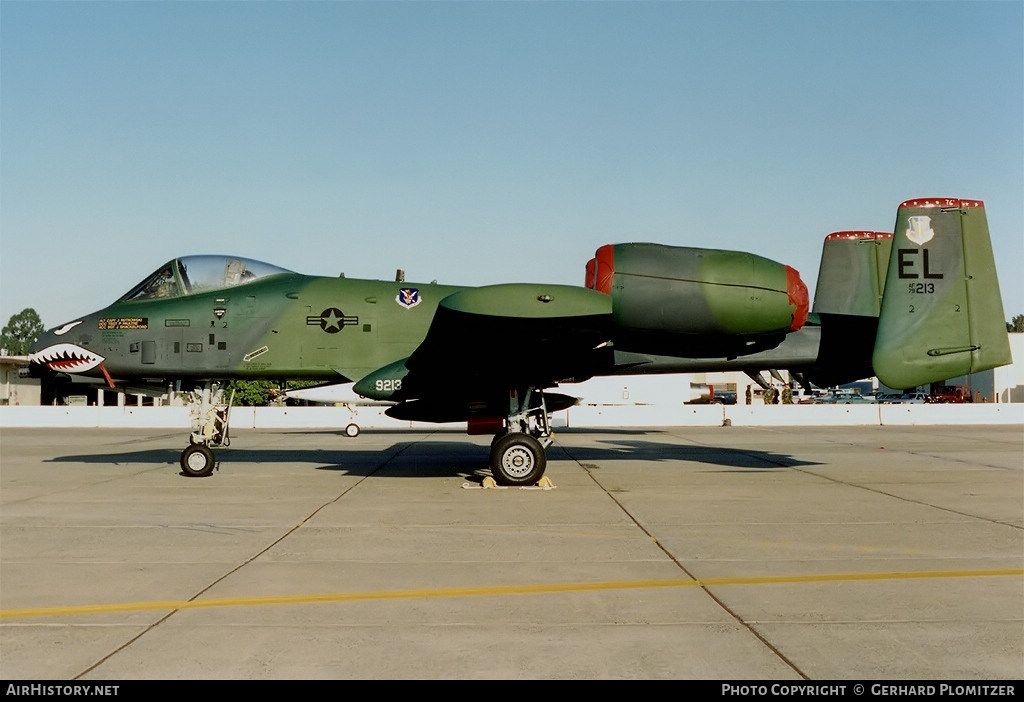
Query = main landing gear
x=209 y=429
x=518 y=453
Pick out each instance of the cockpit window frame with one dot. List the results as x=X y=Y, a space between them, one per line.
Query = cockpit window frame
x=172 y=280
x=148 y=288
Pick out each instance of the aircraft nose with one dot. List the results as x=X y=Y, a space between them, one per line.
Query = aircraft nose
x=37 y=368
x=63 y=349
x=43 y=341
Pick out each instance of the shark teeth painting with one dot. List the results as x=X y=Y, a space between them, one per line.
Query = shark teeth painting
x=67 y=358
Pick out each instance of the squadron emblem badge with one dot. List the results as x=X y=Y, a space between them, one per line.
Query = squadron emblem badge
x=919 y=229
x=408 y=297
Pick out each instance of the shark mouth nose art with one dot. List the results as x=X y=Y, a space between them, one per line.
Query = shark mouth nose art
x=67 y=358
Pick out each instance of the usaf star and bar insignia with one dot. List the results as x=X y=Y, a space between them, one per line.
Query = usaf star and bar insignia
x=332 y=320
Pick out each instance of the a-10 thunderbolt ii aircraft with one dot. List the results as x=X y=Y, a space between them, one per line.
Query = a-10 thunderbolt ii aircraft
x=919 y=305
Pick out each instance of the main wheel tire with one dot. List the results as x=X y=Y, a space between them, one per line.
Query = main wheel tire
x=352 y=430
x=517 y=459
x=197 y=461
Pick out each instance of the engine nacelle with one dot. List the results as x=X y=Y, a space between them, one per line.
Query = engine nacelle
x=685 y=301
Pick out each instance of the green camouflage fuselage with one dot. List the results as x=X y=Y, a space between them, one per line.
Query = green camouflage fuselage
x=286 y=326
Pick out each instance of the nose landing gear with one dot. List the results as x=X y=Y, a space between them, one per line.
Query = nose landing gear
x=209 y=429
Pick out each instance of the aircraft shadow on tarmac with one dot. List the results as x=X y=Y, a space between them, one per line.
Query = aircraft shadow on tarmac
x=454 y=458
x=726 y=458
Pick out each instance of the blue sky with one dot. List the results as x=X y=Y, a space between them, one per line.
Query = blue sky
x=485 y=142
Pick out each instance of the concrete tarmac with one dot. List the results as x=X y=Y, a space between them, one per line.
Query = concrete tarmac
x=730 y=553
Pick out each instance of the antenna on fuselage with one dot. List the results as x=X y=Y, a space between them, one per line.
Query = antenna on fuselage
x=399 y=276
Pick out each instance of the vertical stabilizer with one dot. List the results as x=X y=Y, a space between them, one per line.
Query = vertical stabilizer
x=847 y=301
x=852 y=273
x=941 y=313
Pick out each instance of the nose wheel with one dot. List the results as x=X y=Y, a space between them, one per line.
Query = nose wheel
x=197 y=461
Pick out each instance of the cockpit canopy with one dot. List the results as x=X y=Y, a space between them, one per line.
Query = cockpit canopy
x=196 y=274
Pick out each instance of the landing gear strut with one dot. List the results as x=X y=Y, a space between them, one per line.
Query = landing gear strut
x=518 y=454
x=209 y=429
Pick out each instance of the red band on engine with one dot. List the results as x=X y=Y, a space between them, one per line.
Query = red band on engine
x=591 y=279
x=798 y=297
x=605 y=269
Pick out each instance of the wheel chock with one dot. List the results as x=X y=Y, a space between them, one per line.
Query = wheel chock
x=485 y=484
x=489 y=483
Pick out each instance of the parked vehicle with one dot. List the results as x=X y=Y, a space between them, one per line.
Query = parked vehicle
x=844 y=398
x=854 y=400
x=913 y=398
x=803 y=397
x=950 y=394
x=724 y=397
x=889 y=398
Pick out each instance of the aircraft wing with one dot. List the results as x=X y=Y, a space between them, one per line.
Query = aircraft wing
x=483 y=341
x=491 y=346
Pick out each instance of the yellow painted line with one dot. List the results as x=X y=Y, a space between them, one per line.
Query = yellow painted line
x=497 y=590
